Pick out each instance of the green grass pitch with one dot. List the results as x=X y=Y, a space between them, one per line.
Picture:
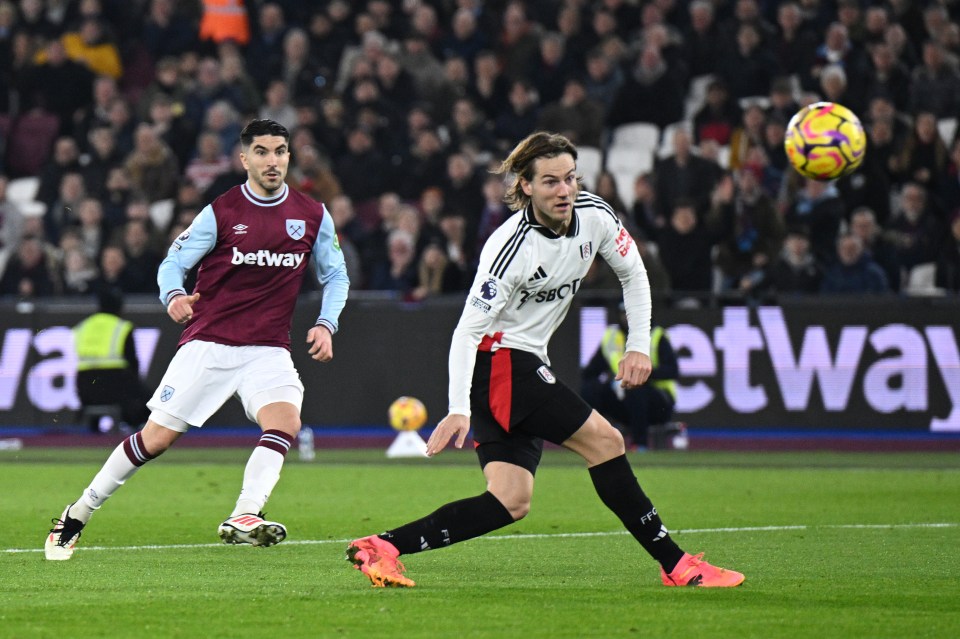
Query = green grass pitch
x=833 y=545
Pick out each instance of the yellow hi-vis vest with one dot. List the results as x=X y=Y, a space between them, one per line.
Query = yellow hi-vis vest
x=613 y=347
x=99 y=341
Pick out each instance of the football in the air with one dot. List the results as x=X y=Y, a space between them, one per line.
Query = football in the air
x=825 y=141
x=407 y=413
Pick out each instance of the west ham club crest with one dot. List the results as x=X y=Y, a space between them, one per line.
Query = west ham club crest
x=296 y=229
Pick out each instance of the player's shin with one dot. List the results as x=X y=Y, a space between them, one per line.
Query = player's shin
x=620 y=491
x=451 y=523
x=125 y=460
x=262 y=471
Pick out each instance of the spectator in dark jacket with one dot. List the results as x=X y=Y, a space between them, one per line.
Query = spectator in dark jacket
x=795 y=271
x=854 y=272
x=818 y=207
x=863 y=224
x=684 y=175
x=685 y=248
x=914 y=229
x=652 y=93
x=28 y=273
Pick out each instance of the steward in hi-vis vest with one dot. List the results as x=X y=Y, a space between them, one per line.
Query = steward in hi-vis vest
x=637 y=409
x=107 y=365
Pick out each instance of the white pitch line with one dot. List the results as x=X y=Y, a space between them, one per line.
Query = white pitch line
x=615 y=533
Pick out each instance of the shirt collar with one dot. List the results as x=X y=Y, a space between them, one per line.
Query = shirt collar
x=531 y=219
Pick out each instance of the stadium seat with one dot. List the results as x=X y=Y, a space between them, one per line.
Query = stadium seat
x=697 y=94
x=33 y=208
x=921 y=280
x=947 y=128
x=589 y=165
x=723 y=157
x=161 y=213
x=29 y=143
x=759 y=100
x=666 y=143
x=626 y=164
x=625 y=180
x=23 y=189
x=636 y=135
x=23 y=192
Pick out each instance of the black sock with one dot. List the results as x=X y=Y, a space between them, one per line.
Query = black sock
x=620 y=492
x=449 y=524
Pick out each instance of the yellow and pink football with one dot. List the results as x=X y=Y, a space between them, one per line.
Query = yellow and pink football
x=825 y=141
x=407 y=413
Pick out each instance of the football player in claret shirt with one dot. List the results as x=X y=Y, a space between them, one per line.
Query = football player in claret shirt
x=501 y=381
x=252 y=245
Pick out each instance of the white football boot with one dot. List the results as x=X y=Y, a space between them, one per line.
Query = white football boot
x=63 y=537
x=251 y=529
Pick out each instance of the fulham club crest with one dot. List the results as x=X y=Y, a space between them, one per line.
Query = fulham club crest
x=546 y=375
x=586 y=250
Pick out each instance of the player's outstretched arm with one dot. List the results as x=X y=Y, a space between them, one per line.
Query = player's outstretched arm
x=321 y=343
x=180 y=308
x=452 y=424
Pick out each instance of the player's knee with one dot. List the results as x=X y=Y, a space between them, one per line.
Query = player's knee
x=157 y=439
x=610 y=441
x=518 y=508
x=516 y=502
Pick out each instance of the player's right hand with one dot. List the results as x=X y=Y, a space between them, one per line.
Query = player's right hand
x=180 y=309
x=452 y=424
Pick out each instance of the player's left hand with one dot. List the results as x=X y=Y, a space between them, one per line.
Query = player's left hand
x=321 y=341
x=635 y=369
x=451 y=425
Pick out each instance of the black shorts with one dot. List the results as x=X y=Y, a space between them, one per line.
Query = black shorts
x=517 y=403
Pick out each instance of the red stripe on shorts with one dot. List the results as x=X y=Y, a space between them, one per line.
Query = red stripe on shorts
x=501 y=387
x=501 y=379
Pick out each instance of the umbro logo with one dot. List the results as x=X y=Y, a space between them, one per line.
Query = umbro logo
x=539 y=275
x=240 y=229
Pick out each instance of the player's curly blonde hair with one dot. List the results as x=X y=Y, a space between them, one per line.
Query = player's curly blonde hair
x=520 y=163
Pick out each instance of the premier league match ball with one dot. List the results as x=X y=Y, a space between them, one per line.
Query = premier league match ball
x=825 y=141
x=407 y=413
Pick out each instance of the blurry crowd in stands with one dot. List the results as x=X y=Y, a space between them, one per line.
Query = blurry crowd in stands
x=399 y=109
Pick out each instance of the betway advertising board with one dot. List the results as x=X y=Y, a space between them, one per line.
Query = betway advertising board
x=820 y=367
x=856 y=365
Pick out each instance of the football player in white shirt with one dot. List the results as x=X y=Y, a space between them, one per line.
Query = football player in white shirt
x=500 y=376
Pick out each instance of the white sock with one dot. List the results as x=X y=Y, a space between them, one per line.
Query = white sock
x=125 y=460
x=262 y=472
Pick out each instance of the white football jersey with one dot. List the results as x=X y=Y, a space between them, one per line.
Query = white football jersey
x=526 y=281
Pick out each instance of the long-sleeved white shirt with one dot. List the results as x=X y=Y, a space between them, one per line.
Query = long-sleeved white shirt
x=526 y=281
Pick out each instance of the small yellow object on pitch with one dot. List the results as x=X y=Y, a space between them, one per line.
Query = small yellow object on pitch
x=825 y=141
x=407 y=413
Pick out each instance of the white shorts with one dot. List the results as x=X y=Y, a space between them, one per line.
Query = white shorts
x=202 y=376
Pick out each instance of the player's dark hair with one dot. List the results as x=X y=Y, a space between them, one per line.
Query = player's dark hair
x=256 y=128
x=520 y=163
